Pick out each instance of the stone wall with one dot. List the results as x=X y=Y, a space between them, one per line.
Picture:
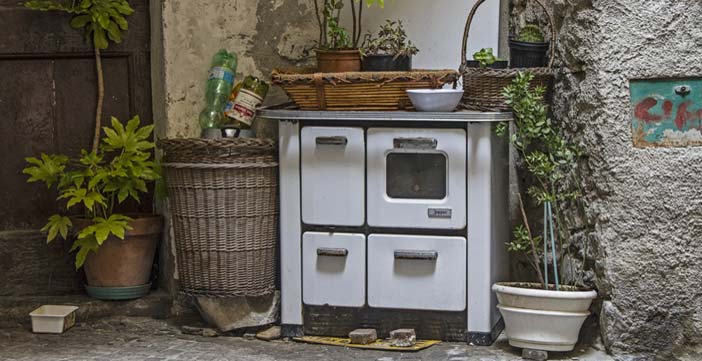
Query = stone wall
x=265 y=34
x=644 y=220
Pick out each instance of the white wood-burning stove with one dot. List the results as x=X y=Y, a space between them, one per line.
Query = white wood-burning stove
x=392 y=220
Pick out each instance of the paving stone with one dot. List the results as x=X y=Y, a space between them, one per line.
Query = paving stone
x=125 y=339
x=404 y=337
x=363 y=336
x=536 y=355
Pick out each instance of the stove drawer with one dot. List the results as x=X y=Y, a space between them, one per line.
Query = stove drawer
x=334 y=269
x=333 y=176
x=417 y=272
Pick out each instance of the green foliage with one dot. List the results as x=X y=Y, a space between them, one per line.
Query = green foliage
x=532 y=34
x=101 y=19
x=391 y=39
x=336 y=36
x=98 y=182
x=548 y=158
x=332 y=35
x=485 y=57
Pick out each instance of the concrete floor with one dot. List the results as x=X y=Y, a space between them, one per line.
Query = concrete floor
x=133 y=338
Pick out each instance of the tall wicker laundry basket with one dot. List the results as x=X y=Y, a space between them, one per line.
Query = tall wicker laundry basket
x=224 y=206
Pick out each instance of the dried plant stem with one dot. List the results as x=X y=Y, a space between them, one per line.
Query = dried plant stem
x=319 y=21
x=101 y=96
x=360 y=24
x=535 y=260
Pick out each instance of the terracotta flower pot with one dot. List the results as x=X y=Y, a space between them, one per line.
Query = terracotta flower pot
x=127 y=262
x=338 y=61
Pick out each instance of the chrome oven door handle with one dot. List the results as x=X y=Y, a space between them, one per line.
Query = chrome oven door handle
x=415 y=143
x=332 y=252
x=336 y=140
x=416 y=255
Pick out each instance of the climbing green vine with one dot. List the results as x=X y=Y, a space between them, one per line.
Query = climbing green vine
x=548 y=158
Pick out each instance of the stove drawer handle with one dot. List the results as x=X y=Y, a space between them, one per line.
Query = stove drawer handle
x=416 y=255
x=415 y=143
x=332 y=252
x=338 y=140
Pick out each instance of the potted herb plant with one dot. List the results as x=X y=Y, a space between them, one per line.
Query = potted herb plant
x=115 y=249
x=528 y=49
x=543 y=316
x=389 y=50
x=485 y=58
x=337 y=49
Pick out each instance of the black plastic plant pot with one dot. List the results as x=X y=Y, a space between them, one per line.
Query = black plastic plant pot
x=386 y=63
x=524 y=54
x=499 y=64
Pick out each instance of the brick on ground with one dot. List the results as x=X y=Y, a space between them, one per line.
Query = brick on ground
x=363 y=336
x=404 y=337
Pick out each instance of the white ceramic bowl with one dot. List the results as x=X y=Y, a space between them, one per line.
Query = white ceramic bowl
x=435 y=100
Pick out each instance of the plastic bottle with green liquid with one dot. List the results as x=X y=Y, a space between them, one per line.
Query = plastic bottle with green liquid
x=219 y=87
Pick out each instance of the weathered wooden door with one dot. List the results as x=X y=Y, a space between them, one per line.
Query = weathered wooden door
x=48 y=94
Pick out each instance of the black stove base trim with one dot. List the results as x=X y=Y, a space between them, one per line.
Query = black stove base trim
x=429 y=325
x=486 y=338
x=291 y=331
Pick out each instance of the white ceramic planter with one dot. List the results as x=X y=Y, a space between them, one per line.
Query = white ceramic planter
x=542 y=319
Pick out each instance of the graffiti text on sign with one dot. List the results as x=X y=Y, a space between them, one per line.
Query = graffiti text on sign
x=667 y=112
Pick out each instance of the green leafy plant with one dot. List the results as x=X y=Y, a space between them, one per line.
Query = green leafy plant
x=101 y=20
x=551 y=162
x=331 y=35
x=98 y=182
x=531 y=33
x=485 y=57
x=391 y=40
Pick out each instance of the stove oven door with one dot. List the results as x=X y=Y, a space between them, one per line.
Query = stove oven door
x=416 y=178
x=333 y=176
x=417 y=272
x=334 y=269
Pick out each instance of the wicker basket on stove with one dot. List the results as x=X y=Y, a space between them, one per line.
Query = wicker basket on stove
x=224 y=205
x=358 y=90
x=483 y=86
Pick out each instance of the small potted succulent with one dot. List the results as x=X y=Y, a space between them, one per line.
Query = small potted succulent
x=390 y=50
x=116 y=250
x=528 y=49
x=485 y=58
x=337 y=50
x=545 y=315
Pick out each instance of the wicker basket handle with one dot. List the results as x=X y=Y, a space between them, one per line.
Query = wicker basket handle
x=464 y=48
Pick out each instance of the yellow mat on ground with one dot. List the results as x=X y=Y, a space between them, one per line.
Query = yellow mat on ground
x=379 y=345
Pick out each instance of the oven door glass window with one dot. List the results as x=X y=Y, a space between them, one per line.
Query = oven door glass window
x=416 y=175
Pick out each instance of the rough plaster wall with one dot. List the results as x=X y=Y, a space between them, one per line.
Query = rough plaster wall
x=645 y=205
x=265 y=34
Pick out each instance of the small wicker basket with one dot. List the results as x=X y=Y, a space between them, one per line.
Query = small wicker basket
x=483 y=86
x=358 y=90
x=224 y=207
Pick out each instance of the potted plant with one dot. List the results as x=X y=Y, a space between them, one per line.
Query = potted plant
x=337 y=49
x=116 y=250
x=528 y=49
x=543 y=316
x=485 y=58
x=389 y=50
x=102 y=20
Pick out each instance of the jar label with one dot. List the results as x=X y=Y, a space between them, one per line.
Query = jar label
x=243 y=108
x=219 y=72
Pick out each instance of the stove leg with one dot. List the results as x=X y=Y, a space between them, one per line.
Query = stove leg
x=291 y=331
